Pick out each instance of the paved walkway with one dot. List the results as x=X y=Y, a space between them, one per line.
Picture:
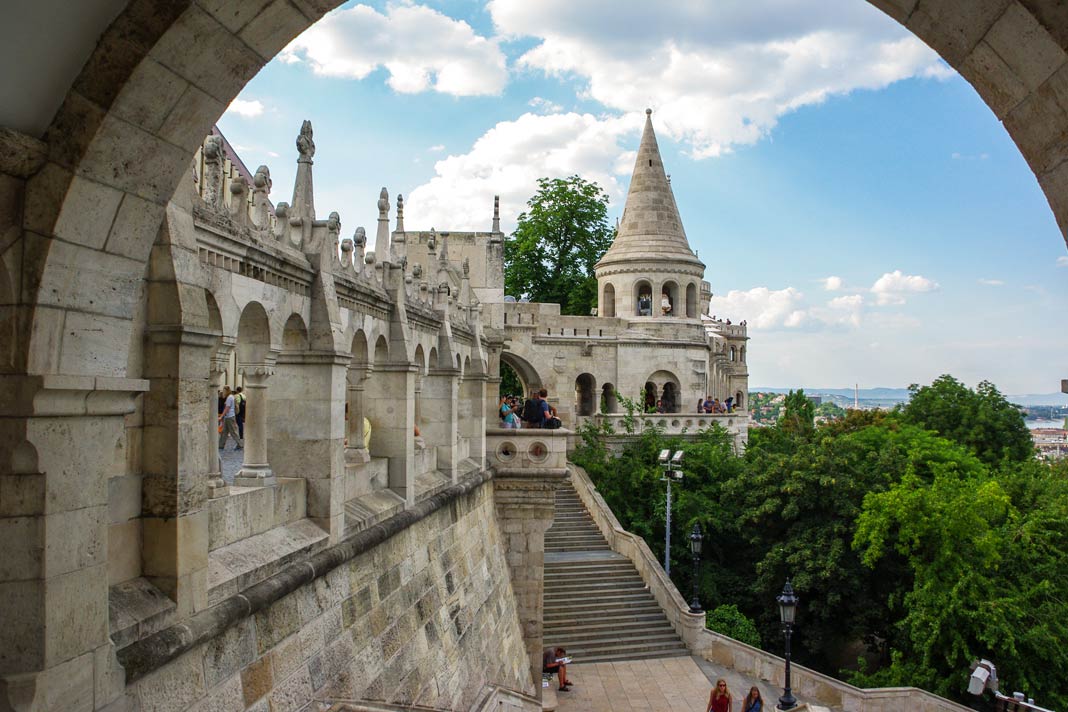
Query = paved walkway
x=231 y=461
x=660 y=685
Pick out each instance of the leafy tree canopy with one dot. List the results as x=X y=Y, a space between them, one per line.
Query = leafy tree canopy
x=561 y=236
x=981 y=419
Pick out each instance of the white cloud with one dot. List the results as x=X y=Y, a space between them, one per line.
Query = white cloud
x=969 y=157
x=892 y=287
x=421 y=49
x=438 y=148
x=992 y=282
x=246 y=108
x=508 y=160
x=718 y=74
x=544 y=105
x=1062 y=261
x=832 y=283
x=763 y=308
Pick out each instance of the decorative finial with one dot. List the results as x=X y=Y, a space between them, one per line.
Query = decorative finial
x=648 y=112
x=496 y=213
x=360 y=237
x=400 y=213
x=383 y=203
x=305 y=144
x=467 y=267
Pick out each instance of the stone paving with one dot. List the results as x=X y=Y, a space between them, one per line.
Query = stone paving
x=659 y=685
x=230 y=461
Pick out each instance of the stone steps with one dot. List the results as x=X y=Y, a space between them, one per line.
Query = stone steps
x=597 y=606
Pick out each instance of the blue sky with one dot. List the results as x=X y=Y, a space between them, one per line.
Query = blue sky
x=852 y=196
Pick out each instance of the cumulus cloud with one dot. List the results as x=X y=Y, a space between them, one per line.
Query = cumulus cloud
x=892 y=287
x=832 y=283
x=1062 y=261
x=246 y=108
x=992 y=282
x=508 y=160
x=544 y=105
x=763 y=308
x=421 y=49
x=718 y=74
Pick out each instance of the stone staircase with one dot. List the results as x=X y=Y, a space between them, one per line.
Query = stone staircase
x=596 y=604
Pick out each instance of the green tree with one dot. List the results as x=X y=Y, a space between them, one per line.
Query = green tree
x=798 y=413
x=561 y=236
x=981 y=419
x=731 y=622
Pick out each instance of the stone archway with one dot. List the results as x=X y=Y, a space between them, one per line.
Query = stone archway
x=523 y=368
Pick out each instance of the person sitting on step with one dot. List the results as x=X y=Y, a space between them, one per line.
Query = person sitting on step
x=555 y=660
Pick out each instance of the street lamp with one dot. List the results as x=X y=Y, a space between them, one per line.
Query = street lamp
x=695 y=549
x=787 y=608
x=672 y=464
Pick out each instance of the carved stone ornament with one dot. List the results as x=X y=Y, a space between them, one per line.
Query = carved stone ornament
x=305 y=144
x=359 y=238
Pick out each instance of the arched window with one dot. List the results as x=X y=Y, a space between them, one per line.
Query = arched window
x=643 y=299
x=669 y=300
x=743 y=354
x=585 y=398
x=732 y=353
x=691 y=301
x=738 y=401
x=608 y=301
x=609 y=402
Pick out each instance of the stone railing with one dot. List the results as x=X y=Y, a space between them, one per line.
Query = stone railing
x=493 y=697
x=675 y=423
x=812 y=686
x=533 y=449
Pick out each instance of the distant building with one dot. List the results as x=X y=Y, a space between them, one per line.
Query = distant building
x=1051 y=443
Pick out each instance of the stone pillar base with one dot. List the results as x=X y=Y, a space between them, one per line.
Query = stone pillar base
x=357 y=456
x=255 y=476
x=217 y=487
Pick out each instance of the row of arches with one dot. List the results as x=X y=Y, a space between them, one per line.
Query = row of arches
x=644 y=304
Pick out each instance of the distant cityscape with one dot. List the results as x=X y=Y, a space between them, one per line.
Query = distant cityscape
x=1046 y=414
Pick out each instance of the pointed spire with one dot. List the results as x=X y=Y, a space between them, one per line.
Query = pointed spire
x=400 y=213
x=651 y=226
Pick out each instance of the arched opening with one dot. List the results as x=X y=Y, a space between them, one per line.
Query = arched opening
x=691 y=301
x=669 y=299
x=643 y=298
x=608 y=301
x=525 y=372
x=585 y=394
x=255 y=363
x=651 y=397
x=511 y=384
x=742 y=355
x=670 y=398
x=420 y=378
x=609 y=400
x=733 y=353
x=356 y=434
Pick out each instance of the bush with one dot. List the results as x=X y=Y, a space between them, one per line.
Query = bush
x=729 y=621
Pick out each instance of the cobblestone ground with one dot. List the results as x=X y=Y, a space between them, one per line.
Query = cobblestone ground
x=231 y=461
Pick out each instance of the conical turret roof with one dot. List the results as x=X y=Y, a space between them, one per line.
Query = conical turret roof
x=651 y=228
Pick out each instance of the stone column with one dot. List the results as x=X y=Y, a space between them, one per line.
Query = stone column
x=355 y=452
x=525 y=504
x=255 y=470
x=440 y=411
x=61 y=439
x=306 y=427
x=473 y=414
x=217 y=486
x=391 y=409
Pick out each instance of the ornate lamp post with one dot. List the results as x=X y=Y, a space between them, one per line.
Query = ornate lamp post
x=672 y=464
x=787 y=608
x=695 y=550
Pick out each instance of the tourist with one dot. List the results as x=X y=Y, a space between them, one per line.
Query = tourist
x=708 y=405
x=239 y=402
x=700 y=405
x=533 y=413
x=229 y=422
x=508 y=417
x=555 y=660
x=665 y=304
x=753 y=702
x=660 y=406
x=720 y=698
x=549 y=420
x=728 y=403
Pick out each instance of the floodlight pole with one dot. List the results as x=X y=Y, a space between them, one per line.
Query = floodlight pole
x=667 y=530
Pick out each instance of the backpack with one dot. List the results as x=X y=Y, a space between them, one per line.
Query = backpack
x=531 y=411
x=552 y=423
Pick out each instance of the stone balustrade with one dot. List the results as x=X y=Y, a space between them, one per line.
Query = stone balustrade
x=811 y=686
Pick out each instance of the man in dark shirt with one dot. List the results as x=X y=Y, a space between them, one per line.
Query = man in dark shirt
x=550 y=664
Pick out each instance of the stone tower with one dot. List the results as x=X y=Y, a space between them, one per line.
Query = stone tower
x=650 y=272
